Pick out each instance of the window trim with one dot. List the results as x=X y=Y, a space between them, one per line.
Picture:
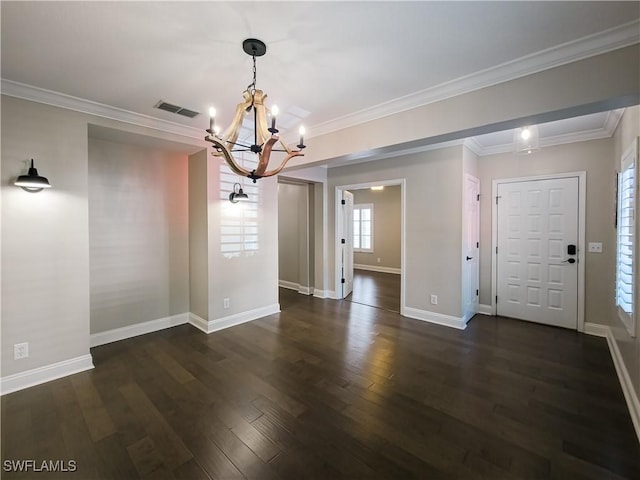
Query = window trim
x=363 y=206
x=629 y=160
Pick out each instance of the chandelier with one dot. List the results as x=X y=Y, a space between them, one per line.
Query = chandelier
x=264 y=138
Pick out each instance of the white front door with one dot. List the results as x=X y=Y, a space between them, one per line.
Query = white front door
x=537 y=269
x=347 y=243
x=470 y=246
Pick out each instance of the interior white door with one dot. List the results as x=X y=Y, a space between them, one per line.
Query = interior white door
x=470 y=247
x=537 y=261
x=347 y=243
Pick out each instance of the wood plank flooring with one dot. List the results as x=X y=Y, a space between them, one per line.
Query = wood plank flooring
x=376 y=289
x=333 y=390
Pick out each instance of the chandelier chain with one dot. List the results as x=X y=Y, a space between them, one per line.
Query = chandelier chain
x=251 y=88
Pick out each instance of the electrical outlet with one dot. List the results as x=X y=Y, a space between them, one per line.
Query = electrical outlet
x=20 y=350
x=434 y=299
x=226 y=302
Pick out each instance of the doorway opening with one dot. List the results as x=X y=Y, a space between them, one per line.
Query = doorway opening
x=369 y=244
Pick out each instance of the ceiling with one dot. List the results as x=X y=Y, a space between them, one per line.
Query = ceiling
x=328 y=64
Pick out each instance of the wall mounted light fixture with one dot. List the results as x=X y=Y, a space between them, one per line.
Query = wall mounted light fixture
x=32 y=182
x=235 y=197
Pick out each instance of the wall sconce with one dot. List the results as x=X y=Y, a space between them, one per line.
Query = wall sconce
x=235 y=197
x=32 y=182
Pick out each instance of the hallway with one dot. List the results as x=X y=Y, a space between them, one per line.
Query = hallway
x=375 y=289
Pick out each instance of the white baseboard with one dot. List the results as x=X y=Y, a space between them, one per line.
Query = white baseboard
x=288 y=285
x=596 y=330
x=375 y=268
x=633 y=404
x=295 y=286
x=36 y=376
x=210 y=326
x=323 y=293
x=437 y=318
x=143 y=328
x=484 y=309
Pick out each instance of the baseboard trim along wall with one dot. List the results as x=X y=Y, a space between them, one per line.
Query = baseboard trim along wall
x=623 y=374
x=324 y=293
x=143 y=328
x=375 y=268
x=484 y=309
x=210 y=326
x=437 y=318
x=36 y=376
x=295 y=286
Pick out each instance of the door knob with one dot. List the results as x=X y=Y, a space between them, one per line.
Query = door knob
x=469 y=258
x=570 y=260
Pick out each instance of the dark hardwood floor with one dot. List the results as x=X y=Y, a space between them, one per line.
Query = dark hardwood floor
x=333 y=390
x=381 y=290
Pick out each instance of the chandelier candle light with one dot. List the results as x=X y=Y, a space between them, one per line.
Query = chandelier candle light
x=264 y=138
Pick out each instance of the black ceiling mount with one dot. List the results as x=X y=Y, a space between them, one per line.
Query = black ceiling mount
x=254 y=47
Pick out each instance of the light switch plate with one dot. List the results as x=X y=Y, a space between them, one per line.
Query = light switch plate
x=595 y=247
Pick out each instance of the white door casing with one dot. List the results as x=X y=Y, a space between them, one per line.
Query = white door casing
x=470 y=246
x=347 y=243
x=536 y=273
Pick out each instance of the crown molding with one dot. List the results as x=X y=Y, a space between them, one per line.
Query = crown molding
x=55 y=99
x=606 y=131
x=589 y=46
x=599 y=43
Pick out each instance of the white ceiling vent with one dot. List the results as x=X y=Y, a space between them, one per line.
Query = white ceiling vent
x=176 y=109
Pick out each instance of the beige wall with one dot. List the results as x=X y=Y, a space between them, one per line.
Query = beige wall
x=593 y=157
x=387 y=223
x=45 y=236
x=250 y=279
x=138 y=234
x=433 y=228
x=198 y=236
x=294 y=235
x=628 y=130
x=607 y=81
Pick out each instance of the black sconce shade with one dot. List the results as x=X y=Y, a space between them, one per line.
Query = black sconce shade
x=32 y=182
x=235 y=197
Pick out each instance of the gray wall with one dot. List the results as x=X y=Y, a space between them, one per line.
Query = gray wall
x=596 y=158
x=138 y=234
x=387 y=221
x=628 y=129
x=434 y=222
x=198 y=236
x=295 y=236
x=45 y=236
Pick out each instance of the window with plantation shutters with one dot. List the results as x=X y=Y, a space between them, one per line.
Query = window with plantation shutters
x=363 y=228
x=626 y=238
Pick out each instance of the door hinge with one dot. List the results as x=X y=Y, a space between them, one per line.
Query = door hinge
x=477 y=293
x=478 y=197
x=496 y=298
x=477 y=244
x=342 y=280
x=497 y=200
x=344 y=202
x=496 y=250
x=343 y=241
